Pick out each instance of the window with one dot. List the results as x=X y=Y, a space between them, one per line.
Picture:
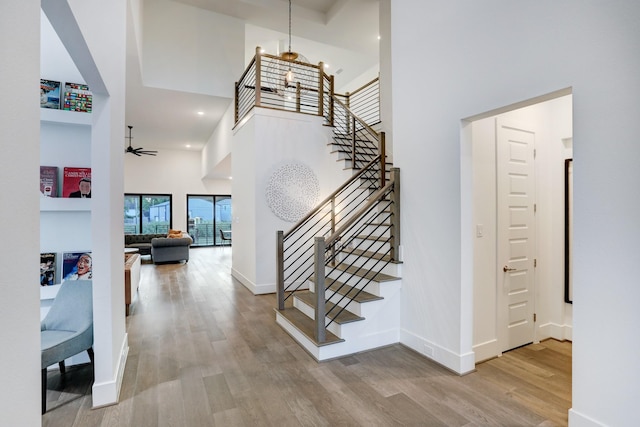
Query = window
x=147 y=213
x=206 y=216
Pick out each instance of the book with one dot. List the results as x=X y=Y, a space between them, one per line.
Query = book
x=76 y=182
x=77 y=97
x=49 y=181
x=49 y=94
x=47 y=269
x=77 y=266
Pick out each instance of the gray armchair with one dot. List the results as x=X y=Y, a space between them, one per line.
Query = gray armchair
x=67 y=329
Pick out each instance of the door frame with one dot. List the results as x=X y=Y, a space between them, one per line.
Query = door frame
x=485 y=344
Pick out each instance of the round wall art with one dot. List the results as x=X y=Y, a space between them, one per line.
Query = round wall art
x=292 y=191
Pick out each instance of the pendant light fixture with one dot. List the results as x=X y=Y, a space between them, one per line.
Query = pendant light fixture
x=289 y=55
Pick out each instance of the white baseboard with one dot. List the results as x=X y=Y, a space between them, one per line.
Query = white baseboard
x=486 y=350
x=576 y=419
x=256 y=289
x=108 y=392
x=555 y=331
x=458 y=363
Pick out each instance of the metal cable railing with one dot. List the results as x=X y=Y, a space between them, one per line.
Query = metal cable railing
x=364 y=102
x=272 y=82
x=295 y=248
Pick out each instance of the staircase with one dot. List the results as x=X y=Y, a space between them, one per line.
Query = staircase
x=341 y=266
x=337 y=270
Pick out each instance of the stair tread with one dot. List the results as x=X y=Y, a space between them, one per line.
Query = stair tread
x=345 y=316
x=373 y=237
x=371 y=254
x=307 y=326
x=349 y=291
x=370 y=275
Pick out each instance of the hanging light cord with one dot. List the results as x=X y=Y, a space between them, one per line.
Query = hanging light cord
x=289 y=26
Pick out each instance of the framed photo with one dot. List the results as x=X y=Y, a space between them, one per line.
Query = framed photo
x=77 y=266
x=49 y=94
x=47 y=269
x=76 y=183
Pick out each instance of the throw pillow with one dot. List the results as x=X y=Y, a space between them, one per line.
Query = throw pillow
x=175 y=234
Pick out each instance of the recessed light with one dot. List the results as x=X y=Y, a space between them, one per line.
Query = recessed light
x=188 y=145
x=326 y=65
x=201 y=113
x=230 y=177
x=379 y=37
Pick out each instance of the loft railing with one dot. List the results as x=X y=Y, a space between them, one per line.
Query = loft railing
x=311 y=91
x=264 y=84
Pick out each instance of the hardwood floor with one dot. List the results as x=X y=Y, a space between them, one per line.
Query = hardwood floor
x=204 y=351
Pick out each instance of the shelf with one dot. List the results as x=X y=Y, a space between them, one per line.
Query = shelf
x=64 y=204
x=67 y=117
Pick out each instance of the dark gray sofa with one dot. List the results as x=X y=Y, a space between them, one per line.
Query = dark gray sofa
x=171 y=249
x=142 y=242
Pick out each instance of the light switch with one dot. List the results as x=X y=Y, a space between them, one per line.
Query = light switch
x=479 y=230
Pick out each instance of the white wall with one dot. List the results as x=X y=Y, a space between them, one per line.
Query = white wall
x=551 y=122
x=19 y=132
x=175 y=172
x=216 y=161
x=267 y=140
x=177 y=54
x=98 y=50
x=479 y=56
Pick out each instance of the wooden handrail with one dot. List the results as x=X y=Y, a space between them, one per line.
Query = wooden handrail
x=361 y=88
x=246 y=70
x=330 y=197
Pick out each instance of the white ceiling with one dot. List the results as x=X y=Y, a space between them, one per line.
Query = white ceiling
x=342 y=33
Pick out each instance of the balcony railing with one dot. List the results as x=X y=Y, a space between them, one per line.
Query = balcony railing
x=264 y=84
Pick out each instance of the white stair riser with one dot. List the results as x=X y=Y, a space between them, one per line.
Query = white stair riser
x=381 y=327
x=379 y=246
x=310 y=312
x=391 y=269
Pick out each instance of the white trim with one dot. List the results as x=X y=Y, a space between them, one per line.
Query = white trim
x=486 y=350
x=555 y=331
x=108 y=393
x=576 y=419
x=458 y=363
x=268 y=288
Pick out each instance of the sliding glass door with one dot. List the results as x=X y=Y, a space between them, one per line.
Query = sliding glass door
x=147 y=213
x=207 y=215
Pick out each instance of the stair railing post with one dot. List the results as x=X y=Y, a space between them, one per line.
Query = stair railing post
x=333 y=230
x=280 y=268
x=258 y=89
x=321 y=89
x=395 y=214
x=319 y=278
x=237 y=97
x=331 y=105
x=382 y=150
x=353 y=142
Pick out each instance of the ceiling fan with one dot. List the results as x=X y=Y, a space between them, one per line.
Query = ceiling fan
x=137 y=151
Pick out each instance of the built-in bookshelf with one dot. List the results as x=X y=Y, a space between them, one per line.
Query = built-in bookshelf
x=65 y=223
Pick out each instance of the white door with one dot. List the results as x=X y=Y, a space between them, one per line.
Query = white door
x=516 y=234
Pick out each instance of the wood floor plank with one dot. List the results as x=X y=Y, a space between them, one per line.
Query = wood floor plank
x=204 y=351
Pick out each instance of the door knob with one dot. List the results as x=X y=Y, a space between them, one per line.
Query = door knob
x=505 y=269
